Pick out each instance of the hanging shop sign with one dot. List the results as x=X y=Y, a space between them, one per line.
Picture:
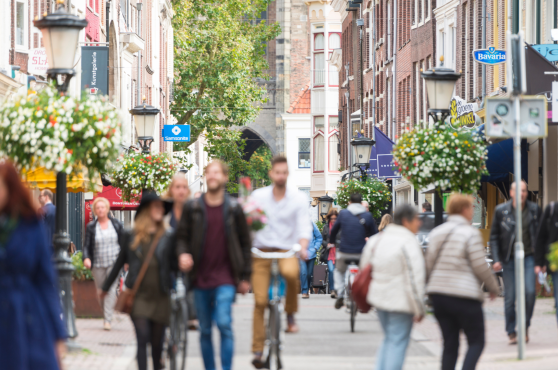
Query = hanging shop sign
x=490 y=56
x=176 y=133
x=549 y=51
x=462 y=114
x=37 y=63
x=94 y=71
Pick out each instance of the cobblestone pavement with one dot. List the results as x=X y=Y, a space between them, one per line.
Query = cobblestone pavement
x=326 y=343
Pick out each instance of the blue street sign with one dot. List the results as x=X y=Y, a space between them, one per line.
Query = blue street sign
x=176 y=133
x=549 y=51
x=386 y=167
x=489 y=56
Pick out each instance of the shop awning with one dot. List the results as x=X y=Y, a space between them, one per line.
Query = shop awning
x=41 y=179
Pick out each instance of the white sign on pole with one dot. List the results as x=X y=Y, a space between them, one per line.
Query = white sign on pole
x=554 y=101
x=37 y=63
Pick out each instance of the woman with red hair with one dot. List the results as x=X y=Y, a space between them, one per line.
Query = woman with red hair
x=32 y=333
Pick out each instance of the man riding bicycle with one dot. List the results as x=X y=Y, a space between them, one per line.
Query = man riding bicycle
x=288 y=224
x=357 y=225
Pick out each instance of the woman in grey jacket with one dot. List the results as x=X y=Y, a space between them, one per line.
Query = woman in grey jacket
x=456 y=268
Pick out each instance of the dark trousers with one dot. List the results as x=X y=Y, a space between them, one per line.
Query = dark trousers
x=456 y=314
x=148 y=331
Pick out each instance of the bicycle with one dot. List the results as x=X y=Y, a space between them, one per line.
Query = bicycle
x=177 y=339
x=273 y=332
x=352 y=271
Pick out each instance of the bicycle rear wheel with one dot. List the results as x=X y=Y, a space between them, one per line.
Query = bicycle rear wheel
x=353 y=310
x=178 y=336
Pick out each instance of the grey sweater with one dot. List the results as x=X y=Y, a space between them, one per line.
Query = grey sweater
x=461 y=267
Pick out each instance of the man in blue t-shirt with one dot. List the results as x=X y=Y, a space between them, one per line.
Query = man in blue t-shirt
x=357 y=225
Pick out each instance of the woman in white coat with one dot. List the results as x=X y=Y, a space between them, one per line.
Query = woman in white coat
x=397 y=287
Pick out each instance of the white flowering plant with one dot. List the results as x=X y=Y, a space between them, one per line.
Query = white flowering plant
x=136 y=172
x=60 y=133
x=448 y=159
x=373 y=191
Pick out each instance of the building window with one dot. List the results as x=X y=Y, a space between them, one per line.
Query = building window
x=334 y=41
x=453 y=45
x=333 y=123
x=319 y=69
x=303 y=153
x=442 y=46
x=319 y=151
x=319 y=41
x=319 y=124
x=20 y=24
x=334 y=162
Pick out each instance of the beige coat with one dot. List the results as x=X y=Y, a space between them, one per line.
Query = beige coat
x=461 y=267
x=398 y=271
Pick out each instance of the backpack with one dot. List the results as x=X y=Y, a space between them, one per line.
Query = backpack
x=362 y=221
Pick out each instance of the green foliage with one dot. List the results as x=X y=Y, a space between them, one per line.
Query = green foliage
x=60 y=133
x=227 y=146
x=552 y=257
x=320 y=225
x=374 y=191
x=259 y=166
x=138 y=171
x=441 y=156
x=219 y=55
x=80 y=273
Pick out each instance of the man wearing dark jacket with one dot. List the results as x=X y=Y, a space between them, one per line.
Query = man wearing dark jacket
x=357 y=225
x=49 y=213
x=548 y=234
x=213 y=245
x=502 y=243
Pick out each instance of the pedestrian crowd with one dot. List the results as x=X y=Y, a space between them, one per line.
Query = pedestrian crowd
x=208 y=240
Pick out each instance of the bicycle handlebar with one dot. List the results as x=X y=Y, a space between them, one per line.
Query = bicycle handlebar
x=277 y=255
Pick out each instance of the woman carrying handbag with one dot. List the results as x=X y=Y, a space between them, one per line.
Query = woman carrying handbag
x=456 y=268
x=147 y=249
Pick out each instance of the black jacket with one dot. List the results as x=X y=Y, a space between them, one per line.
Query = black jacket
x=502 y=232
x=89 y=245
x=192 y=228
x=548 y=233
x=134 y=258
x=355 y=230
x=325 y=236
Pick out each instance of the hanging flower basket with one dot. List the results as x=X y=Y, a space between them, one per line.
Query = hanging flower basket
x=443 y=157
x=60 y=133
x=138 y=171
x=373 y=191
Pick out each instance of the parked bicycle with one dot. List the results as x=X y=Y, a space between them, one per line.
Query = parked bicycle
x=272 y=352
x=352 y=271
x=177 y=339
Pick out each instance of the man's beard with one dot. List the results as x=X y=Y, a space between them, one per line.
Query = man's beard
x=216 y=189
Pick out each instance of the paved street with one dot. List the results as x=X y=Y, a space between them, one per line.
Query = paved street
x=325 y=341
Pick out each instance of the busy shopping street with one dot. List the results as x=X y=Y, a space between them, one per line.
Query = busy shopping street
x=278 y=184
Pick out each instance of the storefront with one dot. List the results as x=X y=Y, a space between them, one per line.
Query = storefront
x=121 y=210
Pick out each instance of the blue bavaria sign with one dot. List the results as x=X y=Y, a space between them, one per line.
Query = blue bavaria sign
x=176 y=133
x=490 y=56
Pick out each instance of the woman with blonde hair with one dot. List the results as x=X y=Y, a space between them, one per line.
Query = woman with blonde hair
x=178 y=192
x=149 y=243
x=102 y=245
x=456 y=268
x=386 y=220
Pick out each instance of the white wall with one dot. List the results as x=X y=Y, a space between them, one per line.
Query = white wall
x=296 y=126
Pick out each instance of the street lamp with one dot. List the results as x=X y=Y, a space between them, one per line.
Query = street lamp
x=362 y=147
x=440 y=84
x=144 y=118
x=60 y=36
x=325 y=205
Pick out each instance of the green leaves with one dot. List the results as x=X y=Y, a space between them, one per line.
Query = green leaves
x=373 y=191
x=219 y=54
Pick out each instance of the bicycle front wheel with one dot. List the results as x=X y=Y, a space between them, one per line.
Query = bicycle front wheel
x=353 y=310
x=178 y=336
x=274 y=357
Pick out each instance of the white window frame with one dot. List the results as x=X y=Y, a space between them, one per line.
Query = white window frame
x=25 y=46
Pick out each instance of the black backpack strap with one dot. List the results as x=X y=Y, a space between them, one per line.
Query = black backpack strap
x=362 y=221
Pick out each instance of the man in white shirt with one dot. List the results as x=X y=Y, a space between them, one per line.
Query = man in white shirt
x=288 y=224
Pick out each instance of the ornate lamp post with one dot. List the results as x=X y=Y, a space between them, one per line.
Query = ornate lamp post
x=362 y=147
x=440 y=85
x=61 y=35
x=325 y=202
x=144 y=118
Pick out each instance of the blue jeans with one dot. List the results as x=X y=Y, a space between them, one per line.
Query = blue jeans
x=331 y=268
x=555 y=283
x=215 y=305
x=509 y=292
x=306 y=271
x=397 y=330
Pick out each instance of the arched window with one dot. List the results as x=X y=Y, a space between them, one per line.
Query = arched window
x=334 y=160
x=319 y=41
x=334 y=41
x=319 y=153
